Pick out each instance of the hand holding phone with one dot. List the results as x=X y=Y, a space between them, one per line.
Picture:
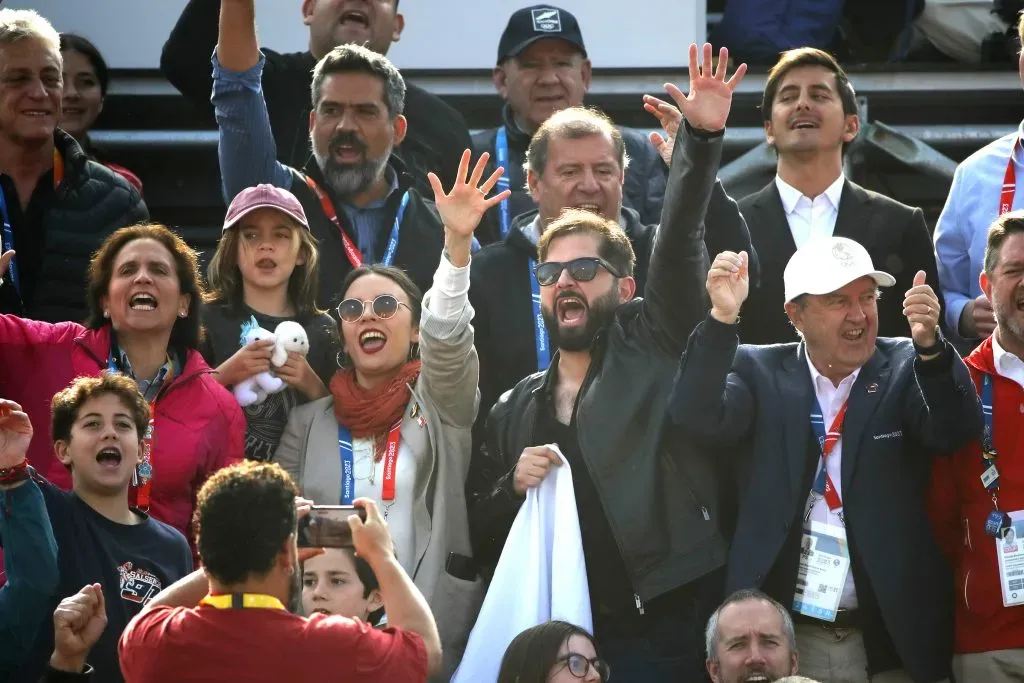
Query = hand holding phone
x=326 y=526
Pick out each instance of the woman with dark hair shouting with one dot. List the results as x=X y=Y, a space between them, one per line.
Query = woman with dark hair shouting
x=396 y=427
x=145 y=306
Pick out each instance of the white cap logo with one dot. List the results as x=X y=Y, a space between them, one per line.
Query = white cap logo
x=547 y=20
x=841 y=254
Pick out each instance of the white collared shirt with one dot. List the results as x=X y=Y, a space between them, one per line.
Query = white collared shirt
x=831 y=399
x=1008 y=365
x=808 y=217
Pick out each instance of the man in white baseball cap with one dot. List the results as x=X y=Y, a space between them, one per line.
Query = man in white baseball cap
x=834 y=435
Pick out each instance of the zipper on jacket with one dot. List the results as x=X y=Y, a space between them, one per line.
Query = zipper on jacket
x=639 y=603
x=966 y=579
x=967 y=534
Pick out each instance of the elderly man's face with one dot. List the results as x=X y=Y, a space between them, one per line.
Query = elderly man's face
x=31 y=89
x=548 y=76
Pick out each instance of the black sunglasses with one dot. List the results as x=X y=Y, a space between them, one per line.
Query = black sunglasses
x=579 y=666
x=384 y=306
x=580 y=269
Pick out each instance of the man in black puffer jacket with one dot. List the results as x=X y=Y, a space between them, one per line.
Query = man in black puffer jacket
x=57 y=205
x=543 y=68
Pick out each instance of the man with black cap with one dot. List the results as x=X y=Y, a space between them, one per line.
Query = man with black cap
x=543 y=68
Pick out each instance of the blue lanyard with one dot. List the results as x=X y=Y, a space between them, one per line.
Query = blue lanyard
x=501 y=152
x=540 y=332
x=818 y=427
x=348 y=480
x=7 y=244
x=389 y=253
x=988 y=451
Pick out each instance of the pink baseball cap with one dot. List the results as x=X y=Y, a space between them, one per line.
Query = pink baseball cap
x=264 y=197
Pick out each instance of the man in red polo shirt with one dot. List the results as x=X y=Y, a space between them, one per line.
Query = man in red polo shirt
x=228 y=621
x=978 y=495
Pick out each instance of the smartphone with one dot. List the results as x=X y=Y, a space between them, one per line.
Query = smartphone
x=326 y=526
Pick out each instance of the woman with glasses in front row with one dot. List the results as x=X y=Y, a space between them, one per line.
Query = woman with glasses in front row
x=553 y=652
x=396 y=427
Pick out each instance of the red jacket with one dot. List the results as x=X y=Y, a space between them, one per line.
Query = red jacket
x=959 y=506
x=199 y=427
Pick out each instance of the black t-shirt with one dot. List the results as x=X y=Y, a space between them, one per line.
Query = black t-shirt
x=132 y=562
x=29 y=241
x=266 y=421
x=611 y=591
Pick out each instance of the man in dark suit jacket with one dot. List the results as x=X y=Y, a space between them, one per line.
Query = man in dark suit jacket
x=834 y=525
x=810 y=115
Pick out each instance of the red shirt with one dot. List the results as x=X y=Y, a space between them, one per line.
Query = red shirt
x=183 y=645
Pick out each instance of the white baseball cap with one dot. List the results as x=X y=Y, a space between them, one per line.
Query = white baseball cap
x=826 y=264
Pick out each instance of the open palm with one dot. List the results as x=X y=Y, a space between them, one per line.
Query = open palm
x=463 y=207
x=15 y=434
x=706 y=106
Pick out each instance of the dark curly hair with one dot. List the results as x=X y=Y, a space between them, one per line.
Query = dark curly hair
x=187 y=332
x=66 y=404
x=244 y=514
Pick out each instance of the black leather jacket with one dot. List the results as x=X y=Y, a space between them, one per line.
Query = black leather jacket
x=660 y=501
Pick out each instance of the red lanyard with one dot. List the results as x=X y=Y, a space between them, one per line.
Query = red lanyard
x=387 y=493
x=353 y=254
x=144 y=483
x=823 y=484
x=58 y=168
x=1009 y=182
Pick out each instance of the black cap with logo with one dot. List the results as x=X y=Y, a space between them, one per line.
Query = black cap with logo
x=528 y=25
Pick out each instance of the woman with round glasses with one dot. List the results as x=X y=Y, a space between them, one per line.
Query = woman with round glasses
x=554 y=652
x=396 y=427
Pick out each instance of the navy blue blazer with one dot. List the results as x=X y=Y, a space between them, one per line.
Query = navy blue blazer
x=752 y=404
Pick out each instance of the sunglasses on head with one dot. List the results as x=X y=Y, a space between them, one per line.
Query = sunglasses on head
x=384 y=306
x=580 y=269
x=579 y=666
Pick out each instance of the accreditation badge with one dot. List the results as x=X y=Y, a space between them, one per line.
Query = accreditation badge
x=824 y=566
x=1010 y=551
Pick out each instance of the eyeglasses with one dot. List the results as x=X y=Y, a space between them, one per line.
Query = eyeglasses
x=384 y=306
x=579 y=666
x=580 y=269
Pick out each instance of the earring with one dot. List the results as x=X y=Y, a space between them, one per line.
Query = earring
x=341 y=358
x=183 y=314
x=106 y=314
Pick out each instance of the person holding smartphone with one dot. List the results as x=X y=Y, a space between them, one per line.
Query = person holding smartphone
x=397 y=425
x=246 y=519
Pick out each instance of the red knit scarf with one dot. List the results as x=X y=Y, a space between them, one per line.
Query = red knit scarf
x=371 y=412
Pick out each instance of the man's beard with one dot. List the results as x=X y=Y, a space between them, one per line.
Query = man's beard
x=348 y=180
x=600 y=314
x=1007 y=320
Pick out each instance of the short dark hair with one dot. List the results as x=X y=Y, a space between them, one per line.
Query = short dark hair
x=187 y=332
x=572 y=124
x=67 y=403
x=244 y=515
x=806 y=56
x=1008 y=224
x=532 y=653
x=613 y=243
x=743 y=595
x=76 y=43
x=359 y=59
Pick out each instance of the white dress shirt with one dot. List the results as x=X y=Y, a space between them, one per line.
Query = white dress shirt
x=808 y=217
x=448 y=296
x=1007 y=364
x=831 y=399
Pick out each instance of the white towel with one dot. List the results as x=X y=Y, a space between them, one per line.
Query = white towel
x=541 y=575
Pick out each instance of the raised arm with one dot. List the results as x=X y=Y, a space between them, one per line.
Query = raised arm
x=674 y=297
x=246 y=147
x=30 y=552
x=711 y=403
x=185 y=59
x=450 y=365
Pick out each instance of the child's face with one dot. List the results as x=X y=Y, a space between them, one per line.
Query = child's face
x=330 y=585
x=268 y=248
x=104 y=448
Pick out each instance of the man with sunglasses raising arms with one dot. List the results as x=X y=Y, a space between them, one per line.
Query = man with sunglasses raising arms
x=650 y=530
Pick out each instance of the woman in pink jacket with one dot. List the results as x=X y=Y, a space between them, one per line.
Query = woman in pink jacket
x=145 y=304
